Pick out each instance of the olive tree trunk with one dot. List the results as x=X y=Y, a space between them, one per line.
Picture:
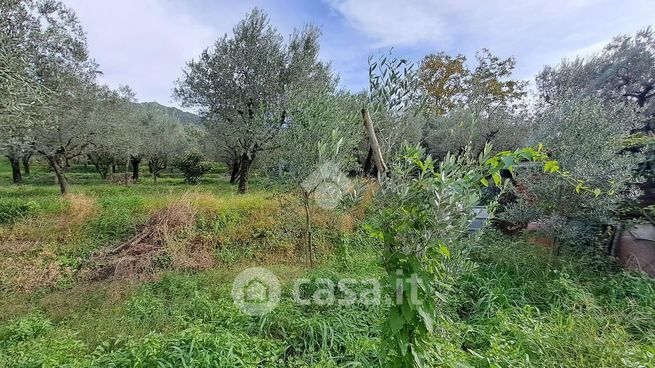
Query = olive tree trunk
x=15 y=169
x=26 y=163
x=235 y=166
x=135 y=161
x=244 y=172
x=59 y=173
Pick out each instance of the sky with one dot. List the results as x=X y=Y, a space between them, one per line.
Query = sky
x=146 y=43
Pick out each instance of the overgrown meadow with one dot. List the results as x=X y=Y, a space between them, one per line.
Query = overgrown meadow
x=513 y=306
x=450 y=214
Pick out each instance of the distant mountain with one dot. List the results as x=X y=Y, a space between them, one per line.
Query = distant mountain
x=183 y=116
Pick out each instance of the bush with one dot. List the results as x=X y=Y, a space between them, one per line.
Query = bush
x=14 y=209
x=585 y=136
x=193 y=167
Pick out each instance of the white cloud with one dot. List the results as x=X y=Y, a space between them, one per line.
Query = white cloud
x=142 y=43
x=393 y=22
x=415 y=22
x=536 y=32
x=145 y=43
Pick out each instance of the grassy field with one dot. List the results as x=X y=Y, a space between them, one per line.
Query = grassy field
x=141 y=275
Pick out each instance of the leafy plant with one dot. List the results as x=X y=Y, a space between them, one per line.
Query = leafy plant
x=585 y=135
x=424 y=211
x=193 y=167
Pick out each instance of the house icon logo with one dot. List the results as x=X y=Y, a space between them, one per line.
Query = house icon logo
x=328 y=185
x=256 y=291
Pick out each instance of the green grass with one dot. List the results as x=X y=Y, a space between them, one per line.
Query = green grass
x=519 y=309
x=514 y=310
x=514 y=307
x=190 y=318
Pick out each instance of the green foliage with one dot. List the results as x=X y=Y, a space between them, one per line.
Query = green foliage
x=505 y=128
x=425 y=210
x=585 y=135
x=28 y=327
x=622 y=72
x=193 y=167
x=264 y=83
x=394 y=101
x=318 y=114
x=638 y=141
x=453 y=299
x=473 y=106
x=393 y=85
x=119 y=217
x=193 y=347
x=12 y=209
x=509 y=306
x=520 y=309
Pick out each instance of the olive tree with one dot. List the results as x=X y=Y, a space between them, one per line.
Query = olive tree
x=317 y=114
x=619 y=76
x=53 y=47
x=585 y=135
x=421 y=219
x=507 y=128
x=20 y=91
x=63 y=131
x=316 y=149
x=391 y=109
x=624 y=70
x=164 y=140
x=242 y=85
x=116 y=130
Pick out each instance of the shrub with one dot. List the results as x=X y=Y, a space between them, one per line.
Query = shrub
x=585 y=136
x=425 y=211
x=193 y=167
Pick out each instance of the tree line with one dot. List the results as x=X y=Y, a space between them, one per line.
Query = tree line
x=267 y=102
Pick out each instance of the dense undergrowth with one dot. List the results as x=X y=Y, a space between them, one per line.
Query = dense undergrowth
x=514 y=307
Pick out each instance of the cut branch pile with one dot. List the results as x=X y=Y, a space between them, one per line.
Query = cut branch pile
x=142 y=254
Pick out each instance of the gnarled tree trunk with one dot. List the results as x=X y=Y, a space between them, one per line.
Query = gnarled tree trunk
x=59 y=173
x=235 y=165
x=102 y=167
x=135 y=161
x=26 y=163
x=156 y=165
x=244 y=171
x=15 y=168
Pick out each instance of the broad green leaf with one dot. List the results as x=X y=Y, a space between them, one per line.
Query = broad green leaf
x=496 y=177
x=551 y=166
